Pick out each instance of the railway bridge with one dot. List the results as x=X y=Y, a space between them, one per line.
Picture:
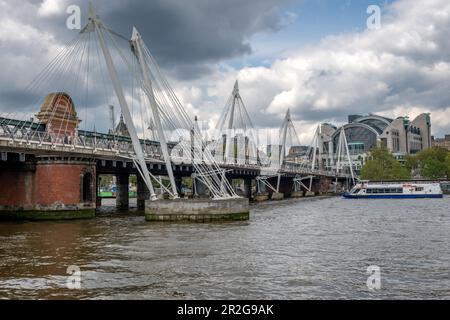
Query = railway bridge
x=50 y=166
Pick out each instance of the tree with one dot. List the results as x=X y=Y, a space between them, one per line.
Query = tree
x=133 y=180
x=383 y=166
x=437 y=153
x=412 y=163
x=433 y=162
x=434 y=169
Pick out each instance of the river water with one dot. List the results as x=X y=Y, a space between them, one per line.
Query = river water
x=294 y=249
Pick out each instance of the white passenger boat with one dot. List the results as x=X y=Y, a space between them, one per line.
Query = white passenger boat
x=390 y=190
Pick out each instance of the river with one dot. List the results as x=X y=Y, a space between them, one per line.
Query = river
x=294 y=249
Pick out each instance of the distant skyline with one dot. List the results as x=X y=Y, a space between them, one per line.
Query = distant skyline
x=315 y=57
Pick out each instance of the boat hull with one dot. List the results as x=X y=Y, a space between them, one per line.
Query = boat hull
x=393 y=196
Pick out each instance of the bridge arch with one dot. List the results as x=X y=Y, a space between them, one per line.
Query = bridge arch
x=377 y=122
x=360 y=137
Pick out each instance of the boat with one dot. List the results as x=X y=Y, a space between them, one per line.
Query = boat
x=394 y=190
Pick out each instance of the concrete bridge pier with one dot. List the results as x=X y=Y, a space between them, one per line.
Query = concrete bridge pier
x=143 y=193
x=98 y=199
x=322 y=185
x=199 y=188
x=122 y=195
x=179 y=184
x=200 y=209
x=286 y=186
x=284 y=191
x=248 y=188
x=261 y=192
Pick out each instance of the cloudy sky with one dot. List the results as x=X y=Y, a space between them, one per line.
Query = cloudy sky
x=316 y=57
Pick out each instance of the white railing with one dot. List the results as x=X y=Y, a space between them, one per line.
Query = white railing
x=103 y=146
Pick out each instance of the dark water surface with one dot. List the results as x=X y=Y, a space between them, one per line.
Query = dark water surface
x=295 y=249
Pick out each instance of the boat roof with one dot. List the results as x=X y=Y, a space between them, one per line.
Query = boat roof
x=423 y=181
x=379 y=183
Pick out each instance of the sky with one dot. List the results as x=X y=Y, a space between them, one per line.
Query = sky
x=314 y=57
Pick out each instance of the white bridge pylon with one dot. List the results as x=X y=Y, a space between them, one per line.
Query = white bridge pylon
x=287 y=138
x=343 y=155
x=166 y=112
x=238 y=140
x=95 y=25
x=137 y=47
x=341 y=160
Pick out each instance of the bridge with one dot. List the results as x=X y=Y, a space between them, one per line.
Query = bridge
x=50 y=163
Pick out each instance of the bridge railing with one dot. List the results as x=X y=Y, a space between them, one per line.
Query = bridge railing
x=45 y=141
x=305 y=168
x=122 y=148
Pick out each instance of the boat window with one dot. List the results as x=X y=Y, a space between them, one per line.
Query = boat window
x=419 y=188
x=356 y=191
x=386 y=190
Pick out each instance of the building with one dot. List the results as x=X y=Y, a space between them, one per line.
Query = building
x=297 y=153
x=59 y=117
x=121 y=129
x=400 y=136
x=442 y=143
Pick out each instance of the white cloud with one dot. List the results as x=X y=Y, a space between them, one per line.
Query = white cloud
x=51 y=7
x=24 y=45
x=401 y=69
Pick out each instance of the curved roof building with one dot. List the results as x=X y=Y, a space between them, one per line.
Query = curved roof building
x=401 y=136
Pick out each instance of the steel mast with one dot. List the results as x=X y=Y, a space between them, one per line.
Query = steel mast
x=95 y=25
x=136 y=40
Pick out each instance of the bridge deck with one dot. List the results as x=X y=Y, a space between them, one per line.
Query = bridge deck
x=109 y=147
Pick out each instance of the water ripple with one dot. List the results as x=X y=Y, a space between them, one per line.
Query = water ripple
x=295 y=249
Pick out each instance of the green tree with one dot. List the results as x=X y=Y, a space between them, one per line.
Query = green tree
x=133 y=179
x=437 y=153
x=434 y=169
x=433 y=162
x=412 y=163
x=383 y=166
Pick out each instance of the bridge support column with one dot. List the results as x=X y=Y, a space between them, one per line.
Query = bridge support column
x=230 y=181
x=49 y=188
x=199 y=188
x=261 y=187
x=122 y=197
x=261 y=192
x=143 y=193
x=178 y=183
x=248 y=188
x=322 y=186
x=286 y=186
x=98 y=199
